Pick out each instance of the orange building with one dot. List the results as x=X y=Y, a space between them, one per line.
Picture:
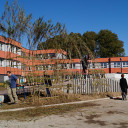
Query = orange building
x=110 y=65
x=21 y=61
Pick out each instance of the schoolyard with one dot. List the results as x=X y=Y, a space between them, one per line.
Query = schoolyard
x=105 y=112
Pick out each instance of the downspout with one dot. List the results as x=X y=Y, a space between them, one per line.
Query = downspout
x=121 y=64
x=109 y=65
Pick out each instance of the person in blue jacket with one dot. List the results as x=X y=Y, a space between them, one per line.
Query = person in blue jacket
x=12 y=88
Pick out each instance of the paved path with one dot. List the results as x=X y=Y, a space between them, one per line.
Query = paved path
x=108 y=114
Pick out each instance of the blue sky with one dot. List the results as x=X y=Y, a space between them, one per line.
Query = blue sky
x=82 y=15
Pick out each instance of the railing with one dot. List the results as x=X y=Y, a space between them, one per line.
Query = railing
x=88 y=86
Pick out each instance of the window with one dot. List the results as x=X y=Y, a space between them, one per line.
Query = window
x=0 y=46
x=73 y=66
x=15 y=64
x=116 y=64
x=1 y=62
x=9 y=48
x=12 y=49
x=23 y=54
x=29 y=68
x=23 y=67
x=37 y=56
x=7 y=63
x=29 y=56
x=45 y=56
x=18 y=65
x=46 y=67
x=93 y=65
x=43 y=67
x=12 y=63
x=52 y=55
x=41 y=56
x=125 y=64
x=49 y=67
x=39 y=67
x=18 y=51
x=64 y=57
x=64 y=66
x=36 y=68
x=103 y=65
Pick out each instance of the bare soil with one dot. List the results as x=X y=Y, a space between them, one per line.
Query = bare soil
x=56 y=98
x=2 y=88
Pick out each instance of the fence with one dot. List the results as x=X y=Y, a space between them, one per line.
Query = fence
x=87 y=86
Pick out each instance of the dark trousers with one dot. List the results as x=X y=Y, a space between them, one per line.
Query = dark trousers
x=48 y=92
x=124 y=94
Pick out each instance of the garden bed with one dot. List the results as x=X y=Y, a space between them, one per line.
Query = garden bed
x=56 y=98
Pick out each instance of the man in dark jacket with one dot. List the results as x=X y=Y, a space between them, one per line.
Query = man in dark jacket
x=123 y=86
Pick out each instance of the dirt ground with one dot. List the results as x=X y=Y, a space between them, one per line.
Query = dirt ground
x=2 y=88
x=108 y=113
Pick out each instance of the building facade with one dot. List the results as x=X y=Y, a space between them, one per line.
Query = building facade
x=21 y=61
x=110 y=65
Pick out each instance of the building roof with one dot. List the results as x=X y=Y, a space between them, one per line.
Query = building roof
x=112 y=59
x=10 y=41
x=50 y=51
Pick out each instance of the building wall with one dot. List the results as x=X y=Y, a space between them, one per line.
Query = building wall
x=12 y=58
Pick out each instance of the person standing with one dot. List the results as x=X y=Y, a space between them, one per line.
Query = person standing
x=123 y=86
x=48 y=83
x=12 y=88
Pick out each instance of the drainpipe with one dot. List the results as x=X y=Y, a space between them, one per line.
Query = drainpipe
x=121 y=64
x=109 y=65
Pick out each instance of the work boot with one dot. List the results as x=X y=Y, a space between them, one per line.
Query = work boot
x=15 y=102
x=11 y=103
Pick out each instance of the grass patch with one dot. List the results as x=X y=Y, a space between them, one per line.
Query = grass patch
x=42 y=111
